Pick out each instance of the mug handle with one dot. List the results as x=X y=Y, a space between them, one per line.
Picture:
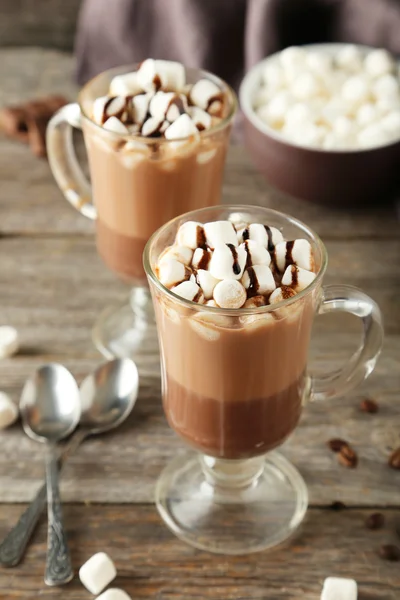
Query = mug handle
x=63 y=162
x=346 y=298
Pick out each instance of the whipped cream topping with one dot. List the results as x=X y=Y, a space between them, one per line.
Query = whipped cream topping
x=234 y=264
x=155 y=102
x=344 y=99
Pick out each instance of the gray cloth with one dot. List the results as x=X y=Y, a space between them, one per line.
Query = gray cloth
x=226 y=37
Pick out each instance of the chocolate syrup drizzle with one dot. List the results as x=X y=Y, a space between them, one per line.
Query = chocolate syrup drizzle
x=249 y=259
x=246 y=234
x=253 y=288
x=201 y=238
x=270 y=242
x=236 y=266
x=288 y=255
x=204 y=261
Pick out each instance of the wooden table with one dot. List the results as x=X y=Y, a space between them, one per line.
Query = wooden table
x=52 y=287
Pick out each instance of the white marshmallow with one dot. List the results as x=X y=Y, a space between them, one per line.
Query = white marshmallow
x=366 y=114
x=308 y=134
x=9 y=341
x=349 y=57
x=297 y=114
x=266 y=236
x=189 y=290
x=319 y=63
x=239 y=220
x=140 y=105
x=293 y=57
x=114 y=594
x=339 y=588
x=8 y=411
x=98 y=109
x=113 y=124
x=182 y=127
x=181 y=253
x=356 y=89
x=305 y=86
x=115 y=107
x=97 y=573
x=191 y=234
x=207 y=283
x=153 y=74
x=343 y=127
x=206 y=331
x=277 y=108
x=204 y=92
x=255 y=302
x=171 y=272
x=212 y=303
x=386 y=86
x=280 y=294
x=199 y=117
x=391 y=124
x=257 y=321
x=334 y=108
x=372 y=136
x=297 y=278
x=204 y=157
x=378 y=62
x=228 y=262
x=262 y=96
x=261 y=278
x=216 y=108
x=273 y=76
x=178 y=106
x=159 y=104
x=230 y=293
x=201 y=258
x=385 y=105
x=301 y=254
x=257 y=254
x=220 y=232
x=125 y=85
x=152 y=127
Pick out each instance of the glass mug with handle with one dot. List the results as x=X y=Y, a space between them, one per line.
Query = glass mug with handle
x=138 y=183
x=234 y=385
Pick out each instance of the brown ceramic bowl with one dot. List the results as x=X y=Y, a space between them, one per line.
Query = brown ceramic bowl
x=331 y=177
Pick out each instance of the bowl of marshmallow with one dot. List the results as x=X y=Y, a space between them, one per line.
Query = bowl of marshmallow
x=322 y=122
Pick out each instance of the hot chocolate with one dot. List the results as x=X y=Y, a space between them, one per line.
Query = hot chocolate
x=235 y=371
x=156 y=147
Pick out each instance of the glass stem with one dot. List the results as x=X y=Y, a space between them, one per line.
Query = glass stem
x=231 y=474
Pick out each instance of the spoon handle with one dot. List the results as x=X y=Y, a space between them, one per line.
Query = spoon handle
x=58 y=561
x=12 y=548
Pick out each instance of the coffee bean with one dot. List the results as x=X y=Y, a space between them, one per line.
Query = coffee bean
x=347 y=457
x=394 y=459
x=369 y=406
x=375 y=521
x=390 y=552
x=337 y=505
x=336 y=444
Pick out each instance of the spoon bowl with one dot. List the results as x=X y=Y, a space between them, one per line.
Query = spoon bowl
x=108 y=395
x=50 y=404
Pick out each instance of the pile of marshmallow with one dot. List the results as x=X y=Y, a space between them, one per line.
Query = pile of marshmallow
x=348 y=99
x=155 y=102
x=97 y=573
x=233 y=264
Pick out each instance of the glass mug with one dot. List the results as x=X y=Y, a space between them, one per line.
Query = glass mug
x=138 y=184
x=234 y=383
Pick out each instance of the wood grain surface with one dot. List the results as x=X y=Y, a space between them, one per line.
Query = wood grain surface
x=52 y=288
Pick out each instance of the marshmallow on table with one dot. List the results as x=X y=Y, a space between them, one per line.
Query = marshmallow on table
x=189 y=290
x=228 y=262
x=204 y=92
x=181 y=253
x=220 y=232
x=9 y=342
x=191 y=234
x=207 y=283
x=8 y=411
x=259 y=278
x=97 y=573
x=378 y=62
x=257 y=254
x=339 y=588
x=182 y=127
x=125 y=85
x=264 y=235
x=114 y=594
x=171 y=272
x=201 y=258
x=298 y=252
x=113 y=124
x=230 y=293
x=297 y=278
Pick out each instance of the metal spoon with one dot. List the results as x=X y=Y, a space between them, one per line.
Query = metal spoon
x=107 y=397
x=50 y=410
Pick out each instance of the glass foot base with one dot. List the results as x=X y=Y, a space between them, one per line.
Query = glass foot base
x=237 y=508
x=127 y=330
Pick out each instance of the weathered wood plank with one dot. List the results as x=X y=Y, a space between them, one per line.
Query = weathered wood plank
x=152 y=563
x=28 y=188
